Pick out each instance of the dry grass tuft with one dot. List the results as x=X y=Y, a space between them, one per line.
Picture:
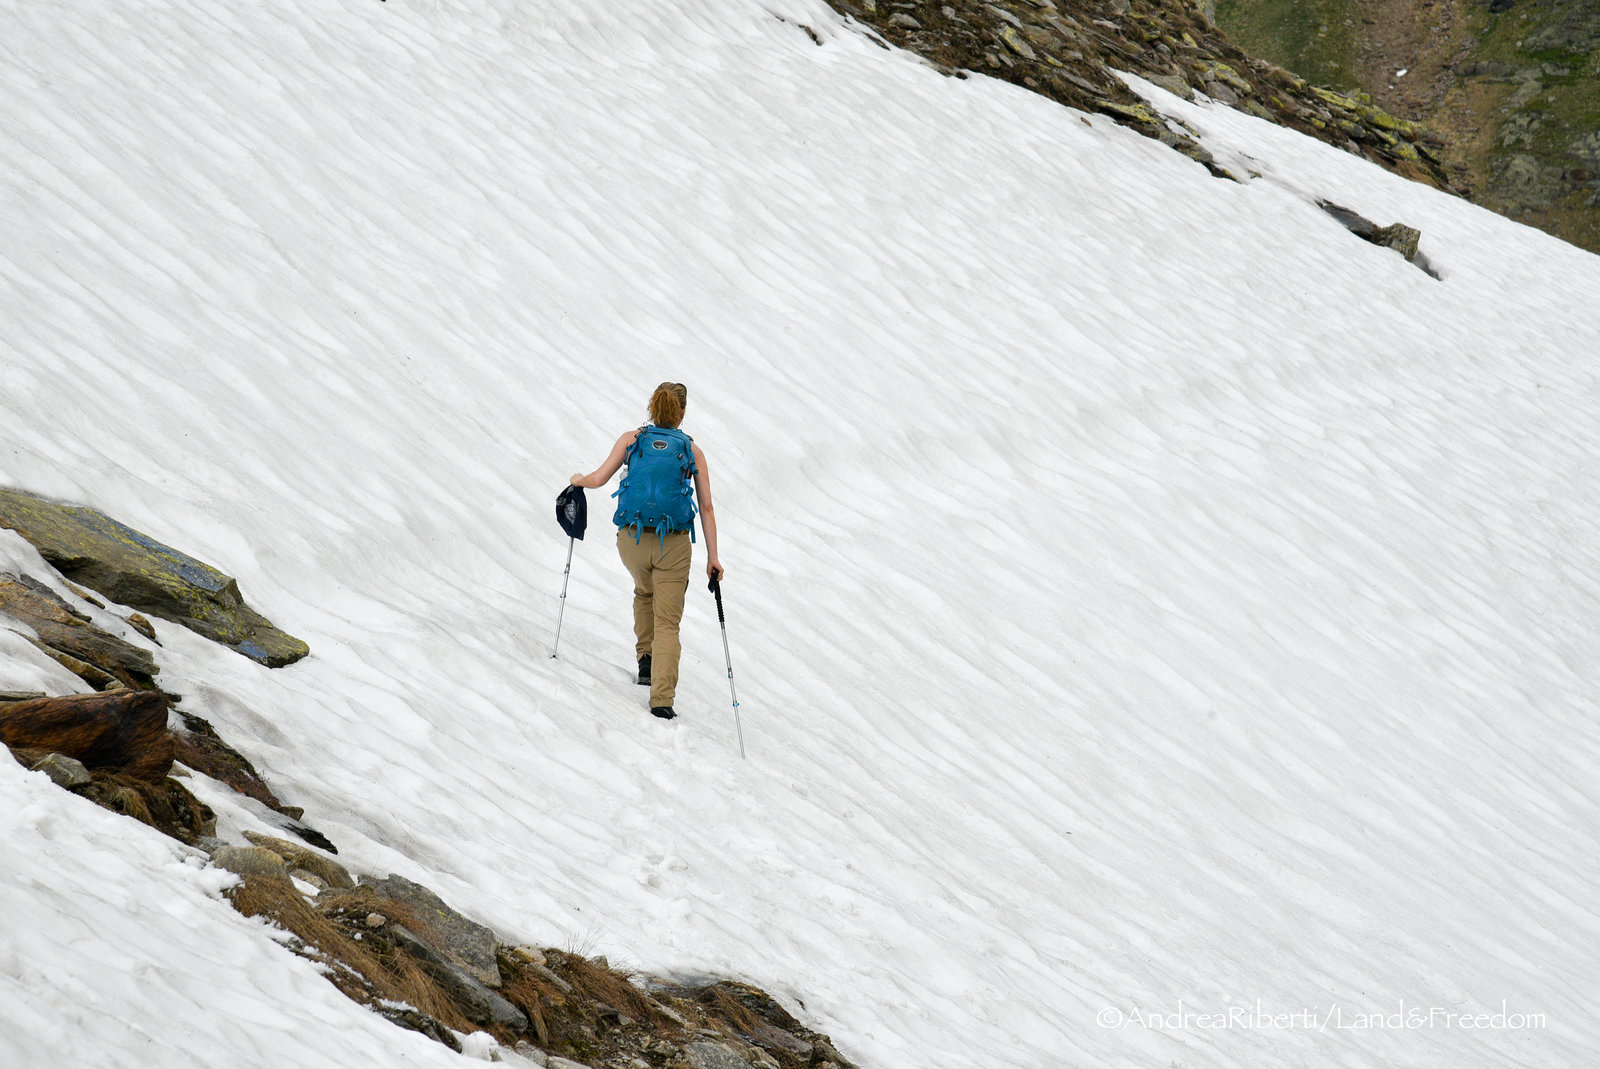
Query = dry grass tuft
x=128 y=801
x=352 y=907
x=570 y=1001
x=531 y=994
x=745 y=1008
x=363 y=963
x=167 y=806
x=26 y=756
x=600 y=983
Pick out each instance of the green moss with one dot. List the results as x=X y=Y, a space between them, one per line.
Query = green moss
x=1136 y=112
x=1313 y=38
x=1386 y=122
x=1229 y=77
x=129 y=566
x=1335 y=100
x=1568 y=102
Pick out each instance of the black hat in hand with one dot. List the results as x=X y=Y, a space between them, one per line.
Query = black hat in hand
x=572 y=512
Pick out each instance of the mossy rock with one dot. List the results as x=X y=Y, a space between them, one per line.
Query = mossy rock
x=125 y=565
x=1014 y=41
x=1404 y=150
x=1384 y=121
x=1230 y=78
x=1335 y=100
x=1133 y=112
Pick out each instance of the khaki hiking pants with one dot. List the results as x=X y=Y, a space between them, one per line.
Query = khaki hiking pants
x=660 y=570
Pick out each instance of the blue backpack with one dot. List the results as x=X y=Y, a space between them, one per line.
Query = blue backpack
x=658 y=490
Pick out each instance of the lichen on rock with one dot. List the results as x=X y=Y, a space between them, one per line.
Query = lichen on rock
x=128 y=566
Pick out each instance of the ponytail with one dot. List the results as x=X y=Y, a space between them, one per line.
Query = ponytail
x=667 y=404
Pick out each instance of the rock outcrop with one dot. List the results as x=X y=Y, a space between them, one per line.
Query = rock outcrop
x=67 y=635
x=65 y=772
x=465 y=944
x=558 y=1008
x=126 y=566
x=1070 y=51
x=1397 y=236
x=123 y=731
x=112 y=749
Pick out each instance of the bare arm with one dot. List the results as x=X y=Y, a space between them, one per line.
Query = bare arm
x=602 y=475
x=708 y=515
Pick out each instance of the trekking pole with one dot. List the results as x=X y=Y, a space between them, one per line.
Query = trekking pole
x=716 y=588
x=572 y=544
x=572 y=513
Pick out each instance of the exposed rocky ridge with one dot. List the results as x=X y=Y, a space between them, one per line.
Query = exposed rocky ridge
x=99 y=658
x=1512 y=85
x=130 y=567
x=388 y=943
x=1068 y=50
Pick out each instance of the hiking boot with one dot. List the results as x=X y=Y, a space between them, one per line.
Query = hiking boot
x=643 y=678
x=663 y=711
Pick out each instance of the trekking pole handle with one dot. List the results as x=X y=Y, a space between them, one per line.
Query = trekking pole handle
x=715 y=586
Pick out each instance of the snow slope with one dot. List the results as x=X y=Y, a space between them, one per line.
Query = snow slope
x=1147 y=599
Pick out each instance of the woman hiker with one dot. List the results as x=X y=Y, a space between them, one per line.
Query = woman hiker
x=667 y=473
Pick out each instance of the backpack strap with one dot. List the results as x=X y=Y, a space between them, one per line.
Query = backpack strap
x=627 y=460
x=634 y=446
x=690 y=470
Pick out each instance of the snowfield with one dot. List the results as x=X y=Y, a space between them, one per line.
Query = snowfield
x=1165 y=625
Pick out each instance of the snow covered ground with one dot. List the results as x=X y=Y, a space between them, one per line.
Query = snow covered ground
x=1165 y=624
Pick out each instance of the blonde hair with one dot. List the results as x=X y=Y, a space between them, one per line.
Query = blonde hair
x=667 y=404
